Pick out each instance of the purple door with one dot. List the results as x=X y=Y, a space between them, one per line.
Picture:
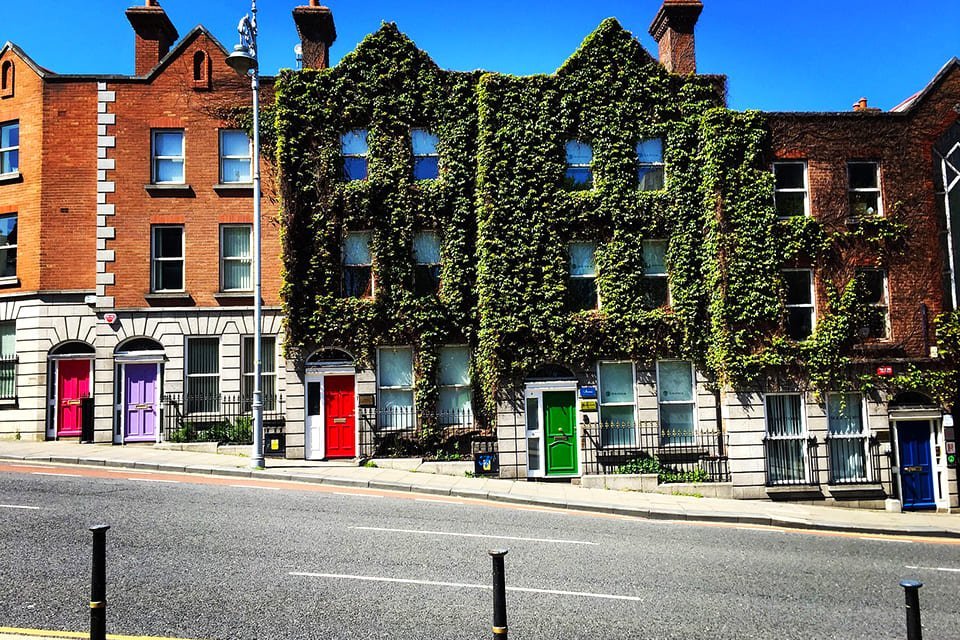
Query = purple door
x=140 y=413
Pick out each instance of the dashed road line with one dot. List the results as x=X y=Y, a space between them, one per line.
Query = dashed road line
x=19 y=506
x=945 y=569
x=58 y=475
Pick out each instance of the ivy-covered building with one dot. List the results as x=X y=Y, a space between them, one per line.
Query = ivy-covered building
x=604 y=271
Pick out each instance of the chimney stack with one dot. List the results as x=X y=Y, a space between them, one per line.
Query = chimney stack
x=317 y=33
x=672 y=28
x=155 y=34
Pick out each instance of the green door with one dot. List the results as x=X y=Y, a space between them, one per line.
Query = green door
x=560 y=432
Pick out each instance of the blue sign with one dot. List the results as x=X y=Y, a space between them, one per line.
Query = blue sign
x=588 y=392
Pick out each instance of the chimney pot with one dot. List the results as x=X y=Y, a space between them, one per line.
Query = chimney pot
x=860 y=105
x=317 y=32
x=673 y=28
x=154 y=32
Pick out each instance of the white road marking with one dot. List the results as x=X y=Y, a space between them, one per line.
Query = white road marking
x=154 y=480
x=948 y=569
x=886 y=539
x=253 y=486
x=464 y=585
x=18 y=506
x=355 y=495
x=58 y=475
x=475 y=535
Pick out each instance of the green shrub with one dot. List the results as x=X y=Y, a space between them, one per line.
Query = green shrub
x=651 y=464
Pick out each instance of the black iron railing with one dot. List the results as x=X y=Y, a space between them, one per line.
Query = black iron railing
x=8 y=378
x=791 y=460
x=853 y=459
x=405 y=432
x=675 y=455
x=222 y=418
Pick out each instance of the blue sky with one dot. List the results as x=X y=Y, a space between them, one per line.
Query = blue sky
x=794 y=55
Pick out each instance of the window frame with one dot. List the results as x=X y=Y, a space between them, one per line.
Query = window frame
x=613 y=433
x=4 y=151
x=803 y=437
x=406 y=420
x=694 y=409
x=864 y=435
x=641 y=165
x=224 y=258
x=369 y=265
x=885 y=304
x=365 y=155
x=456 y=413
x=155 y=259
x=593 y=277
x=666 y=272
x=223 y=157
x=813 y=300
x=851 y=190
x=246 y=344
x=10 y=246
x=805 y=189
x=154 y=157
x=568 y=166
x=207 y=406
x=10 y=363
x=422 y=156
x=430 y=265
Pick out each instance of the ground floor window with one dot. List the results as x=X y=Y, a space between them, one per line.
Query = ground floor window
x=675 y=395
x=846 y=438
x=395 y=386
x=268 y=371
x=203 y=375
x=454 y=403
x=8 y=360
x=617 y=403
x=786 y=446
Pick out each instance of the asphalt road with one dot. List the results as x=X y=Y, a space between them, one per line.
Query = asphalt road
x=201 y=558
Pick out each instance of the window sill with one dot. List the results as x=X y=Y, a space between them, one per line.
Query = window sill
x=6 y=178
x=177 y=298
x=10 y=281
x=169 y=190
x=234 y=188
x=866 y=490
x=8 y=403
x=794 y=492
x=227 y=298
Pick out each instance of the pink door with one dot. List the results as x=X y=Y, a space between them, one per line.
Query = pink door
x=73 y=384
x=140 y=413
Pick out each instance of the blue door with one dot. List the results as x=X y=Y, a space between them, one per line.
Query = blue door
x=916 y=468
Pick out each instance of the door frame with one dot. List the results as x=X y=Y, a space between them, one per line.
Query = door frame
x=937 y=471
x=315 y=375
x=535 y=390
x=54 y=400
x=121 y=436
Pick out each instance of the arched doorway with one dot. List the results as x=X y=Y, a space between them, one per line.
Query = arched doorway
x=915 y=421
x=71 y=384
x=139 y=369
x=550 y=409
x=330 y=429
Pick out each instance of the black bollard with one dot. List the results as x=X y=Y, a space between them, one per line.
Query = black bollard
x=98 y=584
x=911 y=590
x=499 y=595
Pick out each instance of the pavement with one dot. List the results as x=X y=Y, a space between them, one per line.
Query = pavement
x=544 y=494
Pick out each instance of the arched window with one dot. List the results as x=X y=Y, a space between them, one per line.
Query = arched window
x=330 y=356
x=73 y=348
x=201 y=70
x=6 y=79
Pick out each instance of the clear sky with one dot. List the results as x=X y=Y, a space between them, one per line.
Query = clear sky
x=792 y=55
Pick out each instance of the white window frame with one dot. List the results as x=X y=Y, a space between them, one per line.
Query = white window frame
x=417 y=259
x=885 y=305
x=878 y=189
x=812 y=306
x=592 y=277
x=224 y=259
x=365 y=155
x=803 y=437
x=248 y=157
x=12 y=148
x=590 y=184
x=418 y=156
x=692 y=402
x=406 y=422
x=665 y=275
x=154 y=259
x=187 y=376
x=601 y=404
x=10 y=360
x=249 y=375
x=864 y=435
x=641 y=165
x=154 y=157
x=344 y=265
x=11 y=278
x=457 y=387
x=805 y=190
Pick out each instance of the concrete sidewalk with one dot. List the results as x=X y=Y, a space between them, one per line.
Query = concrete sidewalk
x=556 y=495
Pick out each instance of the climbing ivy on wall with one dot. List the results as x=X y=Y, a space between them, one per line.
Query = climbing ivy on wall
x=506 y=219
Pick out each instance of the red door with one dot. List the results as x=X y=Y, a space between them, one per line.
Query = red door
x=338 y=412
x=73 y=384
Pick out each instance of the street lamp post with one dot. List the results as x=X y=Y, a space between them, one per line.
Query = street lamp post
x=243 y=60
